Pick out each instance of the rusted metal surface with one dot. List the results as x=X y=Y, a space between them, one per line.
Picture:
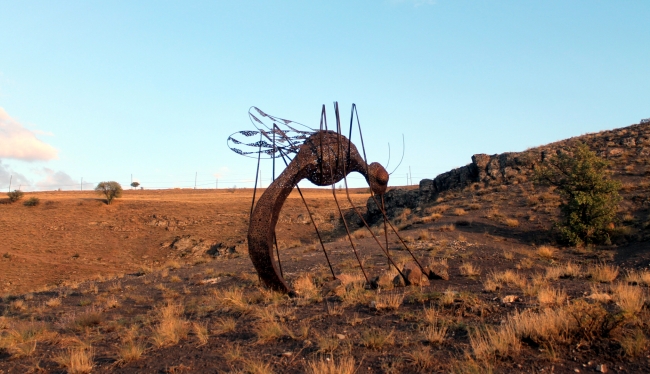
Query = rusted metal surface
x=324 y=158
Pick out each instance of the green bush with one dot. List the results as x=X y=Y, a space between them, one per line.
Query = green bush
x=32 y=201
x=589 y=197
x=15 y=195
x=110 y=189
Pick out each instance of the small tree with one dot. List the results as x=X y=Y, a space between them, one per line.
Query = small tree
x=589 y=197
x=110 y=189
x=135 y=184
x=15 y=195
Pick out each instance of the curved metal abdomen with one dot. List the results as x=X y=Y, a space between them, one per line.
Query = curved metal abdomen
x=323 y=159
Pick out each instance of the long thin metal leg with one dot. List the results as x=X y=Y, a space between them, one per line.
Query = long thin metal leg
x=277 y=253
x=385 y=228
x=377 y=203
x=257 y=172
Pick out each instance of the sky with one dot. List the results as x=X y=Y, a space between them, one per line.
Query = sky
x=149 y=91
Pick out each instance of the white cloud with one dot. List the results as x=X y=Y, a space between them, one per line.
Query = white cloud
x=19 y=143
x=55 y=179
x=17 y=180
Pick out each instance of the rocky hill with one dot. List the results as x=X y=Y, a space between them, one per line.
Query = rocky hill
x=627 y=149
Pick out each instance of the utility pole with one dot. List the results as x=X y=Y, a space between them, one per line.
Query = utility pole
x=81 y=185
x=410 y=176
x=407 y=179
x=10 y=178
x=195 y=175
x=216 y=184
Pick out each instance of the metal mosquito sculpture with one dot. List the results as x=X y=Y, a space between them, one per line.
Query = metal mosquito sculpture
x=324 y=157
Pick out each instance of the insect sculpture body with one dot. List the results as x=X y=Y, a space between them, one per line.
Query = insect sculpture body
x=323 y=157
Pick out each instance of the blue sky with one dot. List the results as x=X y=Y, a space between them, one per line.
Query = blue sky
x=101 y=90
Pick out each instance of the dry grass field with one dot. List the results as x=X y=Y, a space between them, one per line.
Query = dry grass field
x=72 y=236
x=144 y=285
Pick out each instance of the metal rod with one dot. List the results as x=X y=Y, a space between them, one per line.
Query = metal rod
x=277 y=253
x=259 y=154
x=363 y=147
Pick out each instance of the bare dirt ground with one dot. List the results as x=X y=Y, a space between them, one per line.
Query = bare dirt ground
x=160 y=282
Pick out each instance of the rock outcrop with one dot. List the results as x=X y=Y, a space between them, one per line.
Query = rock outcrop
x=515 y=167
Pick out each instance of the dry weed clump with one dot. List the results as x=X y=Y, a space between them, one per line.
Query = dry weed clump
x=549 y=296
x=422 y=358
x=375 y=338
x=633 y=343
x=389 y=300
x=171 y=328
x=20 y=338
x=233 y=300
x=53 y=302
x=77 y=360
x=434 y=334
x=424 y=235
x=629 y=298
x=546 y=252
x=305 y=287
x=201 y=332
x=499 y=342
x=509 y=278
x=511 y=222
x=468 y=270
x=638 y=277
x=603 y=273
x=344 y=365
x=459 y=212
x=568 y=270
x=268 y=331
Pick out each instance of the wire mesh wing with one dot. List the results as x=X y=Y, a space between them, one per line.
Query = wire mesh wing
x=274 y=136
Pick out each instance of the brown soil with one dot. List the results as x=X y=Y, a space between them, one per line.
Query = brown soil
x=79 y=273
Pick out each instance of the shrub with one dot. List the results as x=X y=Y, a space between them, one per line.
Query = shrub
x=15 y=195
x=32 y=201
x=589 y=198
x=110 y=189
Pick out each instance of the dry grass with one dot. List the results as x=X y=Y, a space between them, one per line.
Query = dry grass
x=629 y=298
x=268 y=331
x=434 y=334
x=459 y=212
x=422 y=358
x=546 y=252
x=511 y=222
x=447 y=227
x=424 y=235
x=171 y=328
x=376 y=338
x=255 y=366
x=112 y=302
x=53 y=302
x=304 y=286
x=508 y=255
x=77 y=360
x=509 y=278
x=633 y=343
x=468 y=270
x=638 y=277
x=500 y=342
x=225 y=324
x=389 y=300
x=20 y=338
x=448 y=297
x=344 y=365
x=603 y=273
x=201 y=331
x=549 y=296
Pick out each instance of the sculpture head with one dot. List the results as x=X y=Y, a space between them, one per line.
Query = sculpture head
x=377 y=178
